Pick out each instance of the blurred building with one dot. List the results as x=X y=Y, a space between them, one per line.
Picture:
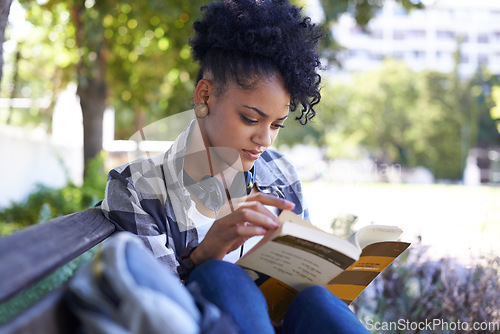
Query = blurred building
x=425 y=39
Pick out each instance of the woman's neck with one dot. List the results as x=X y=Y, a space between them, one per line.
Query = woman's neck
x=202 y=160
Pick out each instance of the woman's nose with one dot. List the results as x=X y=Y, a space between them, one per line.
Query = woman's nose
x=263 y=137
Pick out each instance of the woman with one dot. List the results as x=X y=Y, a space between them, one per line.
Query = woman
x=219 y=187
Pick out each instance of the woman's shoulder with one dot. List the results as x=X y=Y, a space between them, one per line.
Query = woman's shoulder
x=270 y=154
x=145 y=177
x=141 y=165
x=275 y=165
x=276 y=174
x=276 y=159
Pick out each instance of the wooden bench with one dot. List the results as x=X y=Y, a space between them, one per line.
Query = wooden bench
x=32 y=253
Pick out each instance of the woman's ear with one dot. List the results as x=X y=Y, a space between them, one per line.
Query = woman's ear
x=202 y=91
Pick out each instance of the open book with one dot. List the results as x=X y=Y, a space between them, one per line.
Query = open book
x=298 y=255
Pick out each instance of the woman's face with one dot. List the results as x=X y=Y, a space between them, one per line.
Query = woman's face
x=246 y=120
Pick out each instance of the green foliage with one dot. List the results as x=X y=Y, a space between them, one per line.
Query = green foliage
x=151 y=65
x=362 y=11
x=39 y=290
x=147 y=62
x=139 y=47
x=399 y=116
x=342 y=226
x=44 y=57
x=495 y=110
x=46 y=203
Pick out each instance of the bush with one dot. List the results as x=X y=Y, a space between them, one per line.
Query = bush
x=46 y=203
x=417 y=290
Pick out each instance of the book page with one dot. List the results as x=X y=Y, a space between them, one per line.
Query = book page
x=375 y=233
x=290 y=216
x=296 y=226
x=297 y=262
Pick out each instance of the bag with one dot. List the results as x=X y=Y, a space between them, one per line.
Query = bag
x=126 y=290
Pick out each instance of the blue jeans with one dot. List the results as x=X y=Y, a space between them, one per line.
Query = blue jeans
x=314 y=310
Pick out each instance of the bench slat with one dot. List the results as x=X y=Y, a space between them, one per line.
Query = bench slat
x=30 y=254
x=49 y=315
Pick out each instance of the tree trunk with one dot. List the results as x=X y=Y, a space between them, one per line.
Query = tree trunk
x=93 y=102
x=92 y=88
x=4 y=19
x=15 y=83
x=93 y=93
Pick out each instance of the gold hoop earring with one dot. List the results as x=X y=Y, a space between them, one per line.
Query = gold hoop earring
x=201 y=110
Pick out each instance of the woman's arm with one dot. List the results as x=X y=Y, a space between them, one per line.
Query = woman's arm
x=128 y=206
x=230 y=232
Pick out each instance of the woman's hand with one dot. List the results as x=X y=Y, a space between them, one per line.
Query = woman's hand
x=230 y=232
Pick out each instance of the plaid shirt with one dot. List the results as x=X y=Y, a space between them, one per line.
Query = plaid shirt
x=147 y=197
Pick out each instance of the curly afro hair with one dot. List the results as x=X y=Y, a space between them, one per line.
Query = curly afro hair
x=241 y=41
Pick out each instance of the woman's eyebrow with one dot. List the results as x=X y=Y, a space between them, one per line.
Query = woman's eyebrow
x=263 y=114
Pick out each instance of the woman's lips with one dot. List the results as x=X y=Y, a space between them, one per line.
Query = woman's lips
x=252 y=154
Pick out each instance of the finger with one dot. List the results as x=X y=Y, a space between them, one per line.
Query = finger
x=248 y=231
x=258 y=206
x=271 y=200
x=263 y=217
x=265 y=199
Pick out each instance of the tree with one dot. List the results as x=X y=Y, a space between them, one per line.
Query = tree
x=362 y=10
x=130 y=54
x=395 y=115
x=133 y=55
x=38 y=65
x=4 y=16
x=378 y=109
x=495 y=111
x=76 y=25
x=152 y=65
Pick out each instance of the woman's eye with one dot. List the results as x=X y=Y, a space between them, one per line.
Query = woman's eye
x=277 y=126
x=248 y=120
